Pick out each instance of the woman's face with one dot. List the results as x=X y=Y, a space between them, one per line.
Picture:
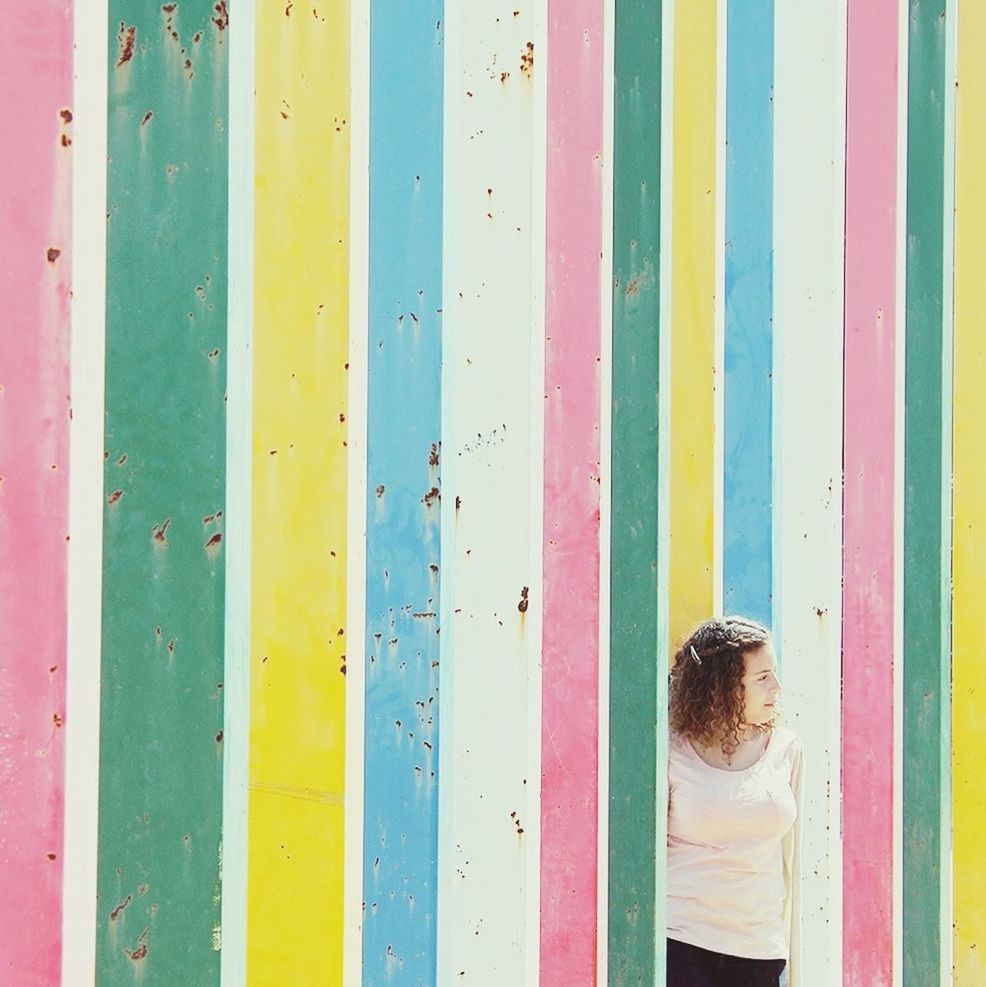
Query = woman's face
x=761 y=687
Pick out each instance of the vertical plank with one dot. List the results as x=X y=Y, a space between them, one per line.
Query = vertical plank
x=35 y=279
x=163 y=558
x=403 y=493
x=926 y=601
x=570 y=638
x=492 y=412
x=301 y=352
x=693 y=294
x=968 y=497
x=868 y=499
x=748 y=365
x=356 y=555
x=637 y=745
x=89 y=226
x=808 y=231
x=239 y=475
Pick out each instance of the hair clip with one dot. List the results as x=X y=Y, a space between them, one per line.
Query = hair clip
x=695 y=657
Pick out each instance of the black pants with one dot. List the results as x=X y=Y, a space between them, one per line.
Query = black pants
x=690 y=966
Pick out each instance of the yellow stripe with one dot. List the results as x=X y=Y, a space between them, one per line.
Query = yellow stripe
x=692 y=313
x=969 y=522
x=297 y=724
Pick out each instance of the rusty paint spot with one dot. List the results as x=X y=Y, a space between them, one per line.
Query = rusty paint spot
x=209 y=518
x=342 y=417
x=434 y=569
x=221 y=20
x=429 y=498
x=214 y=541
x=169 y=8
x=171 y=646
x=66 y=115
x=504 y=76
x=52 y=856
x=148 y=116
x=160 y=531
x=141 y=951
x=381 y=490
x=53 y=254
x=197 y=37
x=522 y=605
x=424 y=614
x=122 y=459
x=633 y=286
x=52 y=669
x=115 y=914
x=458 y=502
x=66 y=141
x=287 y=9
x=114 y=498
x=433 y=455
x=219 y=737
x=56 y=718
x=214 y=354
x=127 y=40
x=527 y=60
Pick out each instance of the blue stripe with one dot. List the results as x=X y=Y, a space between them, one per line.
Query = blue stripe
x=403 y=534
x=747 y=466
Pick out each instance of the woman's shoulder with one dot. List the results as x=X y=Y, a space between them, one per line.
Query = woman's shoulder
x=786 y=742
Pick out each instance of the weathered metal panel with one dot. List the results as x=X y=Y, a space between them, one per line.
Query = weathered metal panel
x=693 y=219
x=808 y=231
x=637 y=664
x=868 y=605
x=35 y=279
x=570 y=634
x=968 y=497
x=163 y=563
x=403 y=494
x=926 y=598
x=748 y=366
x=298 y=633
x=239 y=470
x=491 y=594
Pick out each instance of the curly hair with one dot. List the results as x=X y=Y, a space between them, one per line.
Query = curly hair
x=705 y=694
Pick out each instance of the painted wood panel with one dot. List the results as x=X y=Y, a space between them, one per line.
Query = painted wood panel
x=926 y=601
x=161 y=744
x=808 y=230
x=493 y=406
x=298 y=632
x=570 y=637
x=869 y=502
x=747 y=451
x=693 y=290
x=968 y=497
x=35 y=286
x=403 y=495
x=637 y=661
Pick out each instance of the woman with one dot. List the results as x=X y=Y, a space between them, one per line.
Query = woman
x=734 y=813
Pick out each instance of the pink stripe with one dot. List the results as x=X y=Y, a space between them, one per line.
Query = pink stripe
x=868 y=559
x=36 y=80
x=570 y=713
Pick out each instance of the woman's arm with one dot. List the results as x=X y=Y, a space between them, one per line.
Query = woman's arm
x=791 y=847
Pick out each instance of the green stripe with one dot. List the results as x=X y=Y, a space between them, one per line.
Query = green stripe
x=638 y=672
x=926 y=604
x=161 y=754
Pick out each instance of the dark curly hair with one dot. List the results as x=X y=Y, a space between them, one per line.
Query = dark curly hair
x=705 y=694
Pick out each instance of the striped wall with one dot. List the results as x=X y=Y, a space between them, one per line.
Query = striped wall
x=385 y=389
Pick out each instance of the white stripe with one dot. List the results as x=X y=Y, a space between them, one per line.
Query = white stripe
x=899 y=418
x=719 y=307
x=88 y=332
x=948 y=312
x=359 y=274
x=809 y=223
x=239 y=475
x=605 y=484
x=494 y=239
x=664 y=465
